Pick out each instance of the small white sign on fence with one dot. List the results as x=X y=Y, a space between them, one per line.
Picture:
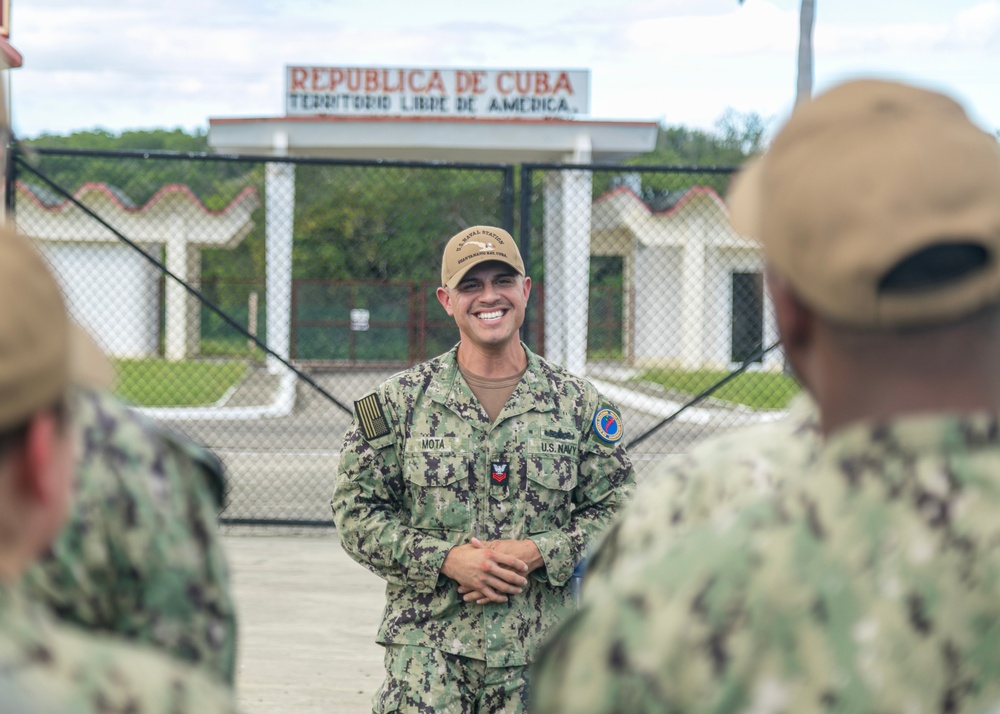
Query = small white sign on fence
x=359 y=320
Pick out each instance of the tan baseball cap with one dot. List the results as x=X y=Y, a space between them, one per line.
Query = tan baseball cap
x=860 y=182
x=476 y=245
x=88 y=365
x=34 y=332
x=42 y=351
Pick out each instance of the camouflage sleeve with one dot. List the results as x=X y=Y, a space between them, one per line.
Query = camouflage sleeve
x=367 y=511
x=717 y=478
x=211 y=633
x=561 y=683
x=663 y=638
x=605 y=480
x=85 y=672
x=646 y=521
x=141 y=557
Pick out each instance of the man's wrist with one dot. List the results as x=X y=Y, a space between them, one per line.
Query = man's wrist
x=536 y=561
x=444 y=564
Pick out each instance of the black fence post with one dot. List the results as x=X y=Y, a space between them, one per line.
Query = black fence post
x=10 y=178
x=507 y=200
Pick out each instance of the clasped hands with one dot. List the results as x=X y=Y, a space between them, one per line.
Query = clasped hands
x=489 y=571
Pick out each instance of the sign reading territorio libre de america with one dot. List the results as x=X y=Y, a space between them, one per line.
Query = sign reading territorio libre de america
x=381 y=91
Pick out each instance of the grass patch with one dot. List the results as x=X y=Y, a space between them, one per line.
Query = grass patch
x=158 y=383
x=760 y=390
x=234 y=347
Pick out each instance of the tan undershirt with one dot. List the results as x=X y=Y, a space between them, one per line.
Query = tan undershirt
x=491 y=392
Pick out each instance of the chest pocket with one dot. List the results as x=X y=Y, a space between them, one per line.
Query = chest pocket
x=548 y=475
x=438 y=495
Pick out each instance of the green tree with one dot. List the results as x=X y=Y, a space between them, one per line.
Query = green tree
x=142 y=140
x=736 y=136
x=741 y=134
x=215 y=183
x=385 y=223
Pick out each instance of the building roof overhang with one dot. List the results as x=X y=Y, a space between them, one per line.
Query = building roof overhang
x=456 y=139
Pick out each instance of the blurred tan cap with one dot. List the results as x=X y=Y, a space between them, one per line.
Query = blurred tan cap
x=859 y=183
x=89 y=366
x=34 y=332
x=476 y=245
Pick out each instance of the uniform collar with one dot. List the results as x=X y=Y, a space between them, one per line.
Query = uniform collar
x=533 y=392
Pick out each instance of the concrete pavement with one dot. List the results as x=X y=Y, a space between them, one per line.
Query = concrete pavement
x=308 y=615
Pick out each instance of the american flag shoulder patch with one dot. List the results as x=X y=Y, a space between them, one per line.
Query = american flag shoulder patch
x=371 y=417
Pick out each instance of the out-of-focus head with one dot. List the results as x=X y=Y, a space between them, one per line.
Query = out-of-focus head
x=879 y=203
x=476 y=245
x=36 y=448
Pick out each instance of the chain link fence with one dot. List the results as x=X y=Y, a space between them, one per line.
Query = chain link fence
x=248 y=301
x=654 y=296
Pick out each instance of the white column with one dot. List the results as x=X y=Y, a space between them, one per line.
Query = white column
x=693 y=295
x=279 y=189
x=176 y=295
x=192 y=305
x=628 y=311
x=555 y=295
x=567 y=223
x=579 y=194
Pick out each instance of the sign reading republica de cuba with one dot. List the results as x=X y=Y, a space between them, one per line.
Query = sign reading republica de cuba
x=380 y=91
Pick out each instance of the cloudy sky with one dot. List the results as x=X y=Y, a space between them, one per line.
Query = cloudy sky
x=121 y=64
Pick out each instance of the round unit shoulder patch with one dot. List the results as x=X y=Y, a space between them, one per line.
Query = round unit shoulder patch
x=608 y=425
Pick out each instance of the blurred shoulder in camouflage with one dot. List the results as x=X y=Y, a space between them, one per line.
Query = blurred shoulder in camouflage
x=63 y=669
x=869 y=585
x=868 y=579
x=141 y=556
x=717 y=478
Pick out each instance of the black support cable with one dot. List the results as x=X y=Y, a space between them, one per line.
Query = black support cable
x=163 y=268
x=752 y=359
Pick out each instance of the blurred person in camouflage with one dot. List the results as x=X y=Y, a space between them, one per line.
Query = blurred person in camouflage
x=141 y=557
x=473 y=483
x=871 y=580
x=53 y=667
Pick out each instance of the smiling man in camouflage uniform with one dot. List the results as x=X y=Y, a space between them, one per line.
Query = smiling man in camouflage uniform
x=474 y=483
x=871 y=581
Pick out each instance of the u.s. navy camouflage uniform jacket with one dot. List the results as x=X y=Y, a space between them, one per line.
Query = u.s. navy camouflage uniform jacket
x=872 y=585
x=51 y=667
x=714 y=480
x=405 y=498
x=141 y=556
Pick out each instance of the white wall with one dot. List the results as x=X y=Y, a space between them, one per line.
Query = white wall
x=657 y=303
x=112 y=291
